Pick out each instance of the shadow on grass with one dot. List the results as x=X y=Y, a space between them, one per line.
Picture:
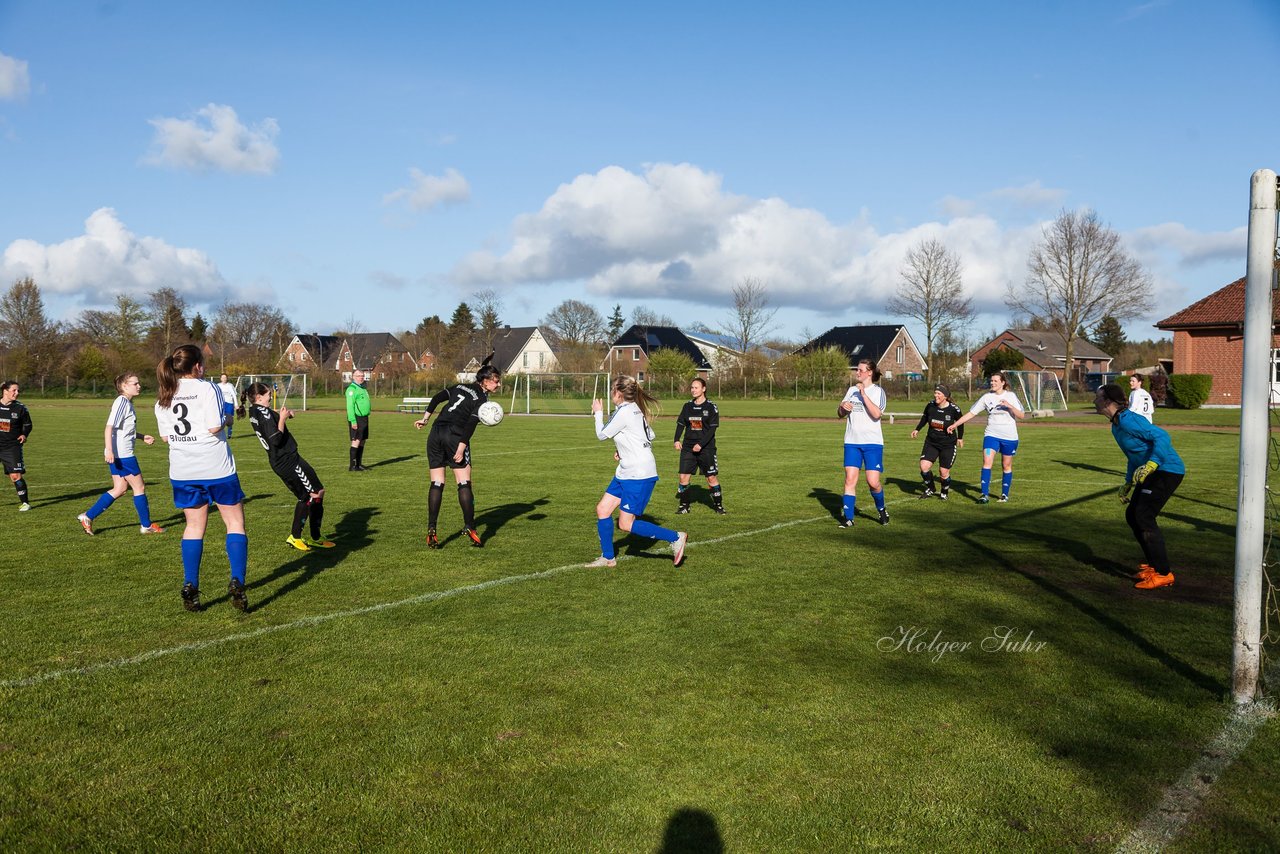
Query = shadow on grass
x=1079 y=466
x=691 y=831
x=71 y=496
x=391 y=461
x=257 y=497
x=832 y=502
x=491 y=520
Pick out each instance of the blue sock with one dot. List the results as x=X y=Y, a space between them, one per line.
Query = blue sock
x=650 y=531
x=1006 y=482
x=192 y=551
x=986 y=481
x=144 y=509
x=238 y=555
x=878 y=498
x=605 y=529
x=100 y=506
x=850 y=503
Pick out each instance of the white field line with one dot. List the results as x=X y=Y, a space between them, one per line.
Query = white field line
x=423 y=598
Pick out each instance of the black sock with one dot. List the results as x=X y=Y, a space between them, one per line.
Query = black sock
x=946 y=483
x=360 y=455
x=467 y=501
x=928 y=479
x=315 y=515
x=434 y=497
x=717 y=495
x=21 y=485
x=680 y=493
x=299 y=515
x=353 y=456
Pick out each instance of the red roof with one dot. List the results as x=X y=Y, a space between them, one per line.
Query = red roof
x=1223 y=307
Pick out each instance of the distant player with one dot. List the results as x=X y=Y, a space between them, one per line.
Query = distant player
x=1154 y=473
x=862 y=408
x=697 y=422
x=636 y=474
x=190 y=416
x=1140 y=401
x=228 y=392
x=449 y=444
x=939 y=445
x=15 y=427
x=288 y=464
x=118 y=440
x=1001 y=436
x=358 y=409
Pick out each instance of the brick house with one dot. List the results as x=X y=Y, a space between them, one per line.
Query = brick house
x=310 y=352
x=378 y=354
x=516 y=350
x=629 y=354
x=890 y=345
x=1045 y=350
x=1208 y=338
x=426 y=361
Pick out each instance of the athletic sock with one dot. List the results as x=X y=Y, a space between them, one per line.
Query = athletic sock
x=927 y=477
x=192 y=551
x=1005 y=482
x=682 y=494
x=717 y=496
x=100 y=506
x=434 y=498
x=238 y=555
x=316 y=517
x=878 y=498
x=353 y=456
x=21 y=485
x=467 y=501
x=986 y=481
x=360 y=455
x=299 y=516
x=604 y=527
x=650 y=531
x=144 y=509
x=850 y=504
x=946 y=484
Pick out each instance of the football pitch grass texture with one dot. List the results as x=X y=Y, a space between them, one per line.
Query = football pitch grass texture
x=383 y=696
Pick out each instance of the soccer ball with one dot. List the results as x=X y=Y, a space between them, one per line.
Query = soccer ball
x=490 y=413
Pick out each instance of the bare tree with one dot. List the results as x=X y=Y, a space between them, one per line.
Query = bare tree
x=1080 y=273
x=487 y=304
x=33 y=340
x=573 y=322
x=253 y=332
x=752 y=318
x=646 y=317
x=932 y=292
x=168 y=326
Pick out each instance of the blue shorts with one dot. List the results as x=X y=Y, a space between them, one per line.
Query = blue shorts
x=1003 y=447
x=228 y=409
x=635 y=494
x=869 y=457
x=124 y=466
x=197 y=493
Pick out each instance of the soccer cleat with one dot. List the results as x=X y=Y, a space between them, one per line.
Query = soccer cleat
x=884 y=516
x=928 y=493
x=153 y=528
x=239 y=600
x=1004 y=499
x=190 y=597
x=677 y=548
x=1155 y=580
x=433 y=542
x=474 y=536
x=602 y=561
x=320 y=543
x=298 y=543
x=845 y=523
x=24 y=507
x=719 y=508
x=1145 y=571
x=683 y=509
x=983 y=499
x=86 y=523
x=942 y=495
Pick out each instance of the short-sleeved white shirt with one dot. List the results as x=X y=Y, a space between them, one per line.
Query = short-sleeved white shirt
x=194 y=452
x=1140 y=402
x=633 y=438
x=228 y=392
x=860 y=428
x=124 y=427
x=1000 y=423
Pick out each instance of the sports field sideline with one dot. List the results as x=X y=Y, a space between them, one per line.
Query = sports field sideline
x=967 y=678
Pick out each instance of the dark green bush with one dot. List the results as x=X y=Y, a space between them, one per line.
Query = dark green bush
x=1189 y=391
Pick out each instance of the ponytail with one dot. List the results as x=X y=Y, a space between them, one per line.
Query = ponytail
x=182 y=362
x=250 y=392
x=633 y=392
x=120 y=380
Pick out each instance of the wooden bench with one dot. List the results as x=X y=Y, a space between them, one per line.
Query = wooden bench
x=413 y=404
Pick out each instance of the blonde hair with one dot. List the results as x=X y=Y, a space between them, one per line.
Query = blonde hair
x=633 y=392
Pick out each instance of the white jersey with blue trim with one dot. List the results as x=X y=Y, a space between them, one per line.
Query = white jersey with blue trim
x=195 y=453
x=123 y=422
x=860 y=428
x=228 y=392
x=633 y=437
x=1140 y=402
x=1000 y=422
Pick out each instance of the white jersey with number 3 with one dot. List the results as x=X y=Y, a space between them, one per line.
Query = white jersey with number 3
x=195 y=453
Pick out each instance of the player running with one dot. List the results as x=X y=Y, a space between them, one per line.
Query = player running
x=1002 y=408
x=1154 y=473
x=202 y=470
x=698 y=422
x=862 y=407
x=228 y=392
x=119 y=437
x=288 y=464
x=15 y=427
x=636 y=475
x=449 y=444
x=1140 y=400
x=939 y=445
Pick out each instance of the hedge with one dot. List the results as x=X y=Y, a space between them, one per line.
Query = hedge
x=1189 y=391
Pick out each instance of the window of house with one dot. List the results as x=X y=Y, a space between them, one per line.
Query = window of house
x=542 y=360
x=635 y=354
x=640 y=376
x=901 y=354
x=526 y=360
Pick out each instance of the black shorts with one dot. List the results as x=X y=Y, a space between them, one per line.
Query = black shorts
x=360 y=431
x=937 y=451
x=11 y=458
x=441 y=446
x=298 y=475
x=704 y=459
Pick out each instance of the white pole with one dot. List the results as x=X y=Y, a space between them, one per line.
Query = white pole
x=1254 y=399
x=527 y=384
x=515 y=387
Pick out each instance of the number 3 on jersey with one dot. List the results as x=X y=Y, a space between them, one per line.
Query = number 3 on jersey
x=183 y=427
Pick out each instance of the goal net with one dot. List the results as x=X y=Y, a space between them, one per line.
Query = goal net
x=1037 y=389
x=285 y=388
x=557 y=393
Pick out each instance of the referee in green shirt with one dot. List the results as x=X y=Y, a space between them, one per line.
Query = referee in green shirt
x=358 y=408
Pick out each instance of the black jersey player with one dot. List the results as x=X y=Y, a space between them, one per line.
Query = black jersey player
x=939 y=445
x=697 y=424
x=15 y=427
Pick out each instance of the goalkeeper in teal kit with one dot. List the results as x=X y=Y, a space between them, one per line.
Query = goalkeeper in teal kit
x=1154 y=472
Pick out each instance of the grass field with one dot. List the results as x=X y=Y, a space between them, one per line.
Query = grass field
x=382 y=696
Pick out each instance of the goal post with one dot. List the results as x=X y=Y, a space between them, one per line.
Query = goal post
x=557 y=393
x=284 y=387
x=1037 y=389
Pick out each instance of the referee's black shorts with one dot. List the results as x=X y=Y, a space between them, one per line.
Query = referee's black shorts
x=360 y=430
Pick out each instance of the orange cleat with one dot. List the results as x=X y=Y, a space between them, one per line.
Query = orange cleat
x=1155 y=580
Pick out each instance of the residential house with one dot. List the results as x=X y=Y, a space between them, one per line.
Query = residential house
x=426 y=361
x=309 y=352
x=629 y=354
x=378 y=354
x=890 y=345
x=722 y=350
x=517 y=350
x=1046 y=350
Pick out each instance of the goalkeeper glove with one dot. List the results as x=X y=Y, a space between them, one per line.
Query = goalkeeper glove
x=1125 y=491
x=1144 y=471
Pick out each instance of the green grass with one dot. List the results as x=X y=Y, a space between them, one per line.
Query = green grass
x=593 y=710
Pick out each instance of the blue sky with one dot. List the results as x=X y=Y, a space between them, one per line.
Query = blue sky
x=384 y=163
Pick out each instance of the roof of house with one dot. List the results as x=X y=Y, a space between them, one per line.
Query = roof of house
x=1048 y=348
x=367 y=347
x=321 y=347
x=508 y=343
x=857 y=342
x=1223 y=307
x=727 y=342
x=650 y=338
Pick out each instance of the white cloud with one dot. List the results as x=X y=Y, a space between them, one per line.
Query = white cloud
x=15 y=80
x=428 y=191
x=1190 y=248
x=215 y=139
x=1030 y=196
x=108 y=258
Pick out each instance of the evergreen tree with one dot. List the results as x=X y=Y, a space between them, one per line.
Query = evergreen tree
x=199 y=328
x=616 y=323
x=1109 y=336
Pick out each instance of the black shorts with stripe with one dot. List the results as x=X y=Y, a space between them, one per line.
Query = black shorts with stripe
x=704 y=459
x=11 y=459
x=946 y=453
x=298 y=475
